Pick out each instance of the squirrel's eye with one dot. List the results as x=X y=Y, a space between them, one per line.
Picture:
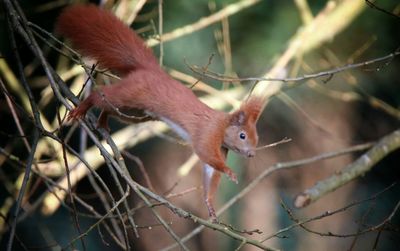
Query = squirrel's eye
x=242 y=135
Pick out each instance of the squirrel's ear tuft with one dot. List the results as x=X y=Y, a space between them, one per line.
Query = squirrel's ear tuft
x=249 y=112
x=238 y=118
x=252 y=108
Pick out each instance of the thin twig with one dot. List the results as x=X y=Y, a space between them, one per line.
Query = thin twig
x=123 y=198
x=374 y=6
x=125 y=202
x=28 y=167
x=139 y=163
x=205 y=68
x=74 y=211
x=89 y=208
x=123 y=171
x=282 y=141
x=328 y=73
x=15 y=117
x=379 y=227
x=325 y=214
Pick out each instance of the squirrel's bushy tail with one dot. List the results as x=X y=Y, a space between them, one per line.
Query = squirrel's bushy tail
x=98 y=34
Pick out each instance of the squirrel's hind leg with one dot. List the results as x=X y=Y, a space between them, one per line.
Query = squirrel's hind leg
x=211 y=181
x=81 y=110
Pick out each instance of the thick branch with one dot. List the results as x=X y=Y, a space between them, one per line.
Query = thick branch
x=362 y=165
x=326 y=25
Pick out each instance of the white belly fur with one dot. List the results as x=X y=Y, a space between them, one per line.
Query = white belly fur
x=179 y=130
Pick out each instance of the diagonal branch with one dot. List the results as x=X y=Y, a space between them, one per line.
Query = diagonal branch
x=268 y=171
x=23 y=187
x=362 y=165
x=204 y=22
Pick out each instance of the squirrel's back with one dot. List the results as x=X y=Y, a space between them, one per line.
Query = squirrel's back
x=98 y=34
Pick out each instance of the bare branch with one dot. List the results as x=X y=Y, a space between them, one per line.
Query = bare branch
x=123 y=198
x=282 y=141
x=329 y=73
x=204 y=22
x=323 y=215
x=374 y=6
x=23 y=188
x=268 y=171
x=362 y=165
x=379 y=227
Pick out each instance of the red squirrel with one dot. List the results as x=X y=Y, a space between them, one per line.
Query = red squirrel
x=145 y=87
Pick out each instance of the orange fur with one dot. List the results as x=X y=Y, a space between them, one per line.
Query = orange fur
x=146 y=87
x=98 y=33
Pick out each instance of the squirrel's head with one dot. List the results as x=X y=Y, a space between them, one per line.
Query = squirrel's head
x=241 y=134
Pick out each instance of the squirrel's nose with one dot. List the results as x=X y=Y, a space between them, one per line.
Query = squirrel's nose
x=251 y=153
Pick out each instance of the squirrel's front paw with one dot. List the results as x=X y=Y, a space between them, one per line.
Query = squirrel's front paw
x=231 y=175
x=76 y=114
